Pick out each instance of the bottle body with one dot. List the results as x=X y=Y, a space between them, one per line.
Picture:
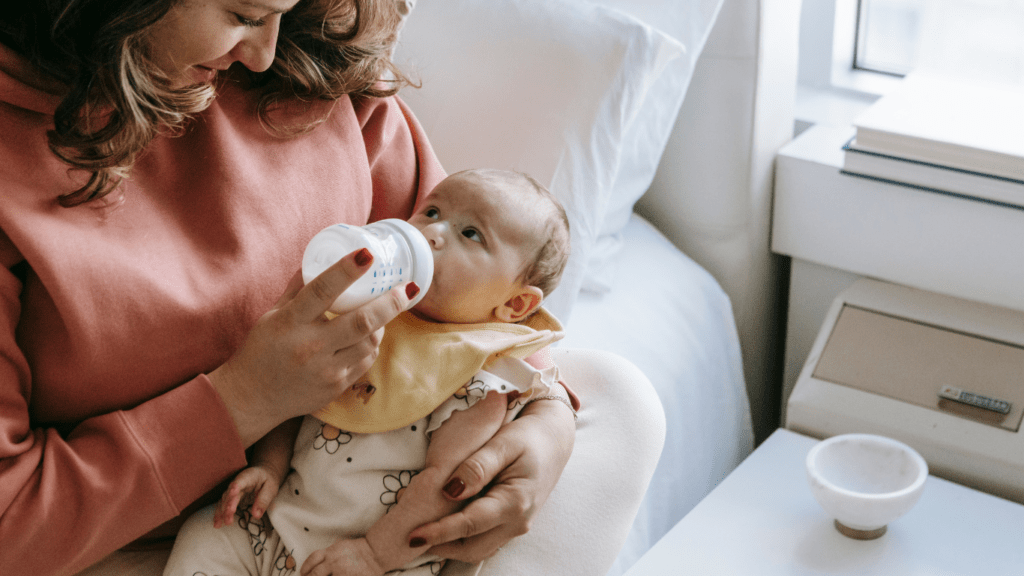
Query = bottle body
x=400 y=254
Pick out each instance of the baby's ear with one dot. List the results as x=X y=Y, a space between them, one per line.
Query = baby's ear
x=523 y=302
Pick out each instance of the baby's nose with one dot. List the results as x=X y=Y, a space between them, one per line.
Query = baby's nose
x=435 y=234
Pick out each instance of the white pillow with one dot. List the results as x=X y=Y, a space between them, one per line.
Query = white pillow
x=551 y=88
x=689 y=22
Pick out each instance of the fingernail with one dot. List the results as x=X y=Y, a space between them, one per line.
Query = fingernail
x=411 y=290
x=454 y=487
x=417 y=542
x=363 y=257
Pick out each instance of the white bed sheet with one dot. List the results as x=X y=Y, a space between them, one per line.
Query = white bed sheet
x=670 y=317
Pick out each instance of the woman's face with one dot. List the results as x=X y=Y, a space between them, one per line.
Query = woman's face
x=198 y=38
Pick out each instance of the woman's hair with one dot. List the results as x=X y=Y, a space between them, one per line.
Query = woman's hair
x=118 y=100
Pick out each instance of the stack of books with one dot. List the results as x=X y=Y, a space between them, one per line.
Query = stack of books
x=944 y=135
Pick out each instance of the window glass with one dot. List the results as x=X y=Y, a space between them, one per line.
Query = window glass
x=977 y=39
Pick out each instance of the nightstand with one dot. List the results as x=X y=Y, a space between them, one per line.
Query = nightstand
x=762 y=520
x=839 y=228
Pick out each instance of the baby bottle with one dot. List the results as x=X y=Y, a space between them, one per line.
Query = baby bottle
x=400 y=253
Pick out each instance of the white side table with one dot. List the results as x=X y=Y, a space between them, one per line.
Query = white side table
x=838 y=228
x=762 y=521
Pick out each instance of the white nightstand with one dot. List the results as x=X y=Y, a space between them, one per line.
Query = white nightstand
x=762 y=521
x=838 y=228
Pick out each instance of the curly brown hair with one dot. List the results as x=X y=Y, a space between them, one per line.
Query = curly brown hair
x=117 y=100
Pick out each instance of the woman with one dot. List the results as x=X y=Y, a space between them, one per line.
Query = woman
x=164 y=164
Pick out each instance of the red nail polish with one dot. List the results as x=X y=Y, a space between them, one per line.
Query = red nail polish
x=363 y=257
x=411 y=290
x=454 y=487
x=417 y=542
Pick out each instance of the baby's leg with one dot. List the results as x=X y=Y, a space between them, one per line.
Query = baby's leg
x=386 y=545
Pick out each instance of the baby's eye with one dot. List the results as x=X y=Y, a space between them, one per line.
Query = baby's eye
x=472 y=235
x=432 y=213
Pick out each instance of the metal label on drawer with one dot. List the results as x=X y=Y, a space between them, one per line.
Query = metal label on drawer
x=977 y=400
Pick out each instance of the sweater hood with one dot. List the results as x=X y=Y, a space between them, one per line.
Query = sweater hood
x=22 y=86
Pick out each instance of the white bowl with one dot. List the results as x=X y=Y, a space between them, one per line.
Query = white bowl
x=865 y=481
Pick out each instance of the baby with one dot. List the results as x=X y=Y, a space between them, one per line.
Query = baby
x=347 y=486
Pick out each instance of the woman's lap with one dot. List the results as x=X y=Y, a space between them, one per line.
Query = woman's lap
x=584 y=523
x=619 y=437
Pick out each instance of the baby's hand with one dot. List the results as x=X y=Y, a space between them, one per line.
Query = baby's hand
x=343 y=558
x=256 y=485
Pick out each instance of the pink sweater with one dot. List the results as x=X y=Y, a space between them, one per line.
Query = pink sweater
x=112 y=314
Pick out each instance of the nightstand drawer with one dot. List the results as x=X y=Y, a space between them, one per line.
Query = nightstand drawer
x=924 y=364
x=888 y=360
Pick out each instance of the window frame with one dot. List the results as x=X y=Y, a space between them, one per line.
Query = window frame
x=829 y=88
x=829 y=55
x=858 y=39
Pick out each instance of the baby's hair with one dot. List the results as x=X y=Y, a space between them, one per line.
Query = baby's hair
x=545 y=269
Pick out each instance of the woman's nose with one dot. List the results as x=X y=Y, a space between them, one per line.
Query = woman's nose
x=435 y=234
x=257 y=50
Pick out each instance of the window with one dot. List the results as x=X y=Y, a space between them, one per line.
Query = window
x=976 y=39
x=853 y=51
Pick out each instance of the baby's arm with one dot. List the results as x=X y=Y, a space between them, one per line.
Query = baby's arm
x=271 y=462
x=386 y=545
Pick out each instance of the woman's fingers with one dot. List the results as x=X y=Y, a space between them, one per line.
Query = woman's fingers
x=313 y=299
x=481 y=528
x=521 y=464
x=312 y=562
x=490 y=521
x=294 y=361
x=481 y=468
x=294 y=285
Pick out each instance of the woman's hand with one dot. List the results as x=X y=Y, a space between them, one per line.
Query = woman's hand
x=295 y=360
x=522 y=464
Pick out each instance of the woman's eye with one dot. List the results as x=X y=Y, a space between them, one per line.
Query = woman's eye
x=249 y=22
x=472 y=235
x=432 y=213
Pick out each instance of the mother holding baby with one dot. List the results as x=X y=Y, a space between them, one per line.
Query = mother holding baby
x=164 y=163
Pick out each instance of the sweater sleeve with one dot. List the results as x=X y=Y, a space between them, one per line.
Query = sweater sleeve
x=403 y=165
x=68 y=498
x=540 y=360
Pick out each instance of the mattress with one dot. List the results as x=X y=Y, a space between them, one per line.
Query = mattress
x=659 y=309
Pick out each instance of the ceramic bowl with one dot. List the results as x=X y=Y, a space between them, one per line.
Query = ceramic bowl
x=865 y=481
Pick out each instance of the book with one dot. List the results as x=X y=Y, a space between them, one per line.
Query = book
x=932 y=177
x=971 y=126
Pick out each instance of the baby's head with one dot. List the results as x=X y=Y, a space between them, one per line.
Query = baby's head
x=500 y=242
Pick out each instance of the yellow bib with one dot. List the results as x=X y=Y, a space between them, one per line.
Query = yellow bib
x=422 y=363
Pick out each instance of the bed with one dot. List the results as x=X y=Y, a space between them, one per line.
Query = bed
x=584 y=96
x=688 y=347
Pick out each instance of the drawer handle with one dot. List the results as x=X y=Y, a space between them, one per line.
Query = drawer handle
x=976 y=400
